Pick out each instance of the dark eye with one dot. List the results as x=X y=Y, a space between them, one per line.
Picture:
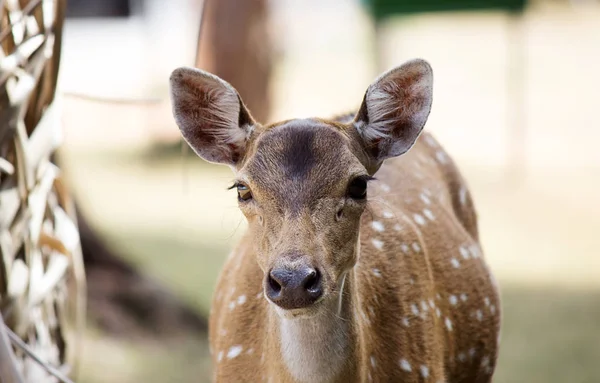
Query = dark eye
x=244 y=193
x=358 y=188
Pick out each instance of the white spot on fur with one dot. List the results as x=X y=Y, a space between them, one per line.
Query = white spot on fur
x=220 y=356
x=377 y=243
x=416 y=247
x=234 y=351
x=419 y=219
x=405 y=365
x=455 y=263
x=485 y=361
x=241 y=300
x=429 y=214
x=464 y=252
x=441 y=157
x=377 y=273
x=479 y=315
x=231 y=305
x=452 y=299
x=414 y=309
x=404 y=248
x=462 y=195
x=486 y=301
x=250 y=351
x=430 y=141
x=493 y=309
x=424 y=306
x=405 y=322
x=373 y=361
x=397 y=227
x=448 y=323
x=385 y=187
x=424 y=371
x=474 y=251
x=463 y=297
x=259 y=295
x=438 y=296
x=425 y=199
x=438 y=312
x=431 y=303
x=378 y=226
x=387 y=214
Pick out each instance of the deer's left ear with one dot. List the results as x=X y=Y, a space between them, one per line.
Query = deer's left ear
x=395 y=109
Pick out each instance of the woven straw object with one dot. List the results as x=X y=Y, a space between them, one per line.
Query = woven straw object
x=42 y=281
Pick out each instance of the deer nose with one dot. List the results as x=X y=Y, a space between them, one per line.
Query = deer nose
x=293 y=288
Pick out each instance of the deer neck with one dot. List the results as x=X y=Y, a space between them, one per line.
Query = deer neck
x=319 y=348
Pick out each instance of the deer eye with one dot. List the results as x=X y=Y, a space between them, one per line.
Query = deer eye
x=244 y=193
x=357 y=189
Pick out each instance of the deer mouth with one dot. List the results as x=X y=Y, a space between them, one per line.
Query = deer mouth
x=301 y=313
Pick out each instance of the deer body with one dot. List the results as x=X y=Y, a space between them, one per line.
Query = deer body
x=332 y=283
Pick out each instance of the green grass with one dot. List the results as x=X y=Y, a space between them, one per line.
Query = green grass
x=549 y=335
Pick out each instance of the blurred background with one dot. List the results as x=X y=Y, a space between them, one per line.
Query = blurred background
x=515 y=103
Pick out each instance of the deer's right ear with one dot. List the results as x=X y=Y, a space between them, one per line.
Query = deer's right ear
x=211 y=115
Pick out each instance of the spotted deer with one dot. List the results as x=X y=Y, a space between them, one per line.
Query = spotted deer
x=361 y=261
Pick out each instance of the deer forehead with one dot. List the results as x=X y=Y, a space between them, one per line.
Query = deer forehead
x=301 y=161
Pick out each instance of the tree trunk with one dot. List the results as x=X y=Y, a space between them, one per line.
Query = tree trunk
x=235 y=44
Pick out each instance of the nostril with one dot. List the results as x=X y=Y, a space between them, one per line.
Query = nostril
x=293 y=288
x=312 y=283
x=274 y=285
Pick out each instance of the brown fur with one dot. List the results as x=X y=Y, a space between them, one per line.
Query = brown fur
x=407 y=296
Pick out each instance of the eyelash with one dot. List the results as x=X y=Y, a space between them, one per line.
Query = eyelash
x=243 y=196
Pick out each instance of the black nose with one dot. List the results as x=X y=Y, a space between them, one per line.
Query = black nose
x=293 y=288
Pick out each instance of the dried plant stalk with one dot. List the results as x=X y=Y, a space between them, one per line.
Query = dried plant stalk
x=42 y=281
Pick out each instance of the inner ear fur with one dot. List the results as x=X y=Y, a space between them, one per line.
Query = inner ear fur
x=394 y=110
x=211 y=115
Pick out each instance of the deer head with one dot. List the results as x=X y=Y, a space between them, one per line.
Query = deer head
x=302 y=184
